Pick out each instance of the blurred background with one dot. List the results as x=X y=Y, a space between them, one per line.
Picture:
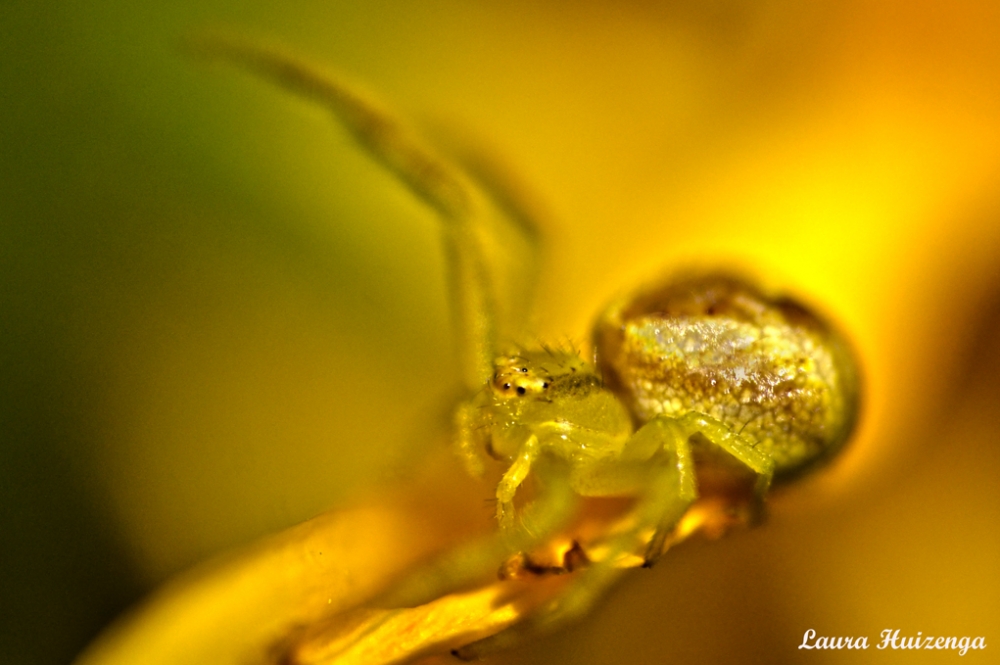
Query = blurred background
x=217 y=319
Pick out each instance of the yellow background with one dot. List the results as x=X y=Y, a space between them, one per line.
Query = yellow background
x=217 y=319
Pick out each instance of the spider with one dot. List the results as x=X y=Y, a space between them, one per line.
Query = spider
x=700 y=383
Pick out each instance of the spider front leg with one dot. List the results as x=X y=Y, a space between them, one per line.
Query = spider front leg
x=544 y=516
x=513 y=477
x=658 y=461
x=463 y=204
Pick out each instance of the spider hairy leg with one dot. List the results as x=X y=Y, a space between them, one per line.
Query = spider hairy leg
x=512 y=479
x=451 y=572
x=466 y=441
x=435 y=180
x=720 y=436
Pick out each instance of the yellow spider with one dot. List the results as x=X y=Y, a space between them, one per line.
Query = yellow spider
x=702 y=385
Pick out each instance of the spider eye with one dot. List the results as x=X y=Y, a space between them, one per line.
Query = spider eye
x=506 y=386
x=521 y=390
x=524 y=369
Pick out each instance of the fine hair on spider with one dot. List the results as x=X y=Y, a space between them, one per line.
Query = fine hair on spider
x=703 y=387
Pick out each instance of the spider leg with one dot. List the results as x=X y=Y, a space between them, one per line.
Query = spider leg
x=457 y=201
x=555 y=504
x=512 y=479
x=519 y=242
x=468 y=440
x=721 y=436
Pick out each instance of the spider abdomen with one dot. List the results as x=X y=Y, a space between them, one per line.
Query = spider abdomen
x=768 y=368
